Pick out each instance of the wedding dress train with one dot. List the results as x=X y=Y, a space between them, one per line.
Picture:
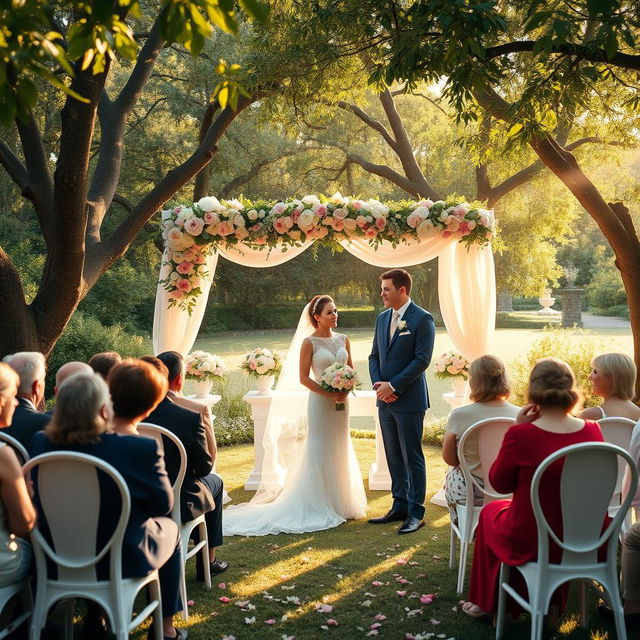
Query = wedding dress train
x=324 y=487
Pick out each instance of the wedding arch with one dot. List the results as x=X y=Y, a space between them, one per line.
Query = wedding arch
x=262 y=234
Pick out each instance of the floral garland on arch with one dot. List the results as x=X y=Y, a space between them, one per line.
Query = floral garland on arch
x=191 y=233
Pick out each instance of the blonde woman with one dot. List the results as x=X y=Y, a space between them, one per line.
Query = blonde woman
x=489 y=392
x=613 y=376
x=17 y=514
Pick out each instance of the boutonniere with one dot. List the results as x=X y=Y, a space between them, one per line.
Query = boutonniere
x=402 y=325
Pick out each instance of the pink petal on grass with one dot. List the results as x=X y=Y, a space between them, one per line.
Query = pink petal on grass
x=224 y=599
x=270 y=621
x=428 y=598
x=376 y=583
x=332 y=623
x=222 y=586
x=380 y=616
x=375 y=625
x=373 y=632
x=324 y=608
x=402 y=594
x=401 y=561
x=190 y=603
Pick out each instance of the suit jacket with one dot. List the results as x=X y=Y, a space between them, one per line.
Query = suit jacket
x=187 y=425
x=26 y=422
x=142 y=468
x=187 y=403
x=402 y=359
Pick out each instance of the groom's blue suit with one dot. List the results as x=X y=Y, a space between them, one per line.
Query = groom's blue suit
x=401 y=360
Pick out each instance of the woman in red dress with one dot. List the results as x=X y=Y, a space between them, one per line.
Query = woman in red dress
x=507 y=529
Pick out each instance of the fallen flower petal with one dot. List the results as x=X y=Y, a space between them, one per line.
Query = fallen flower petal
x=270 y=621
x=332 y=623
x=373 y=632
x=324 y=608
x=365 y=603
x=402 y=594
x=375 y=625
x=223 y=599
x=428 y=598
x=380 y=616
x=222 y=585
x=376 y=583
x=250 y=620
x=190 y=603
x=401 y=561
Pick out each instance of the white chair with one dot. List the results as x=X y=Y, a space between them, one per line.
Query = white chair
x=186 y=529
x=489 y=434
x=21 y=452
x=617 y=430
x=589 y=476
x=23 y=589
x=68 y=486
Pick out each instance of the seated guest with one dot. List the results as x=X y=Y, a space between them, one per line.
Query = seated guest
x=630 y=559
x=27 y=420
x=202 y=491
x=507 y=529
x=69 y=369
x=489 y=392
x=102 y=363
x=613 y=376
x=79 y=423
x=17 y=515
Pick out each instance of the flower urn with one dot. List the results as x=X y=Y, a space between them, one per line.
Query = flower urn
x=264 y=385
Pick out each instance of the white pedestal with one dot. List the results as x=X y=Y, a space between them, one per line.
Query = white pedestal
x=455 y=401
x=363 y=403
x=209 y=400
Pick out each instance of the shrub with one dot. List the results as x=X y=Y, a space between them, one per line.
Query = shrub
x=85 y=336
x=434 y=430
x=505 y=320
x=574 y=346
x=238 y=430
x=617 y=311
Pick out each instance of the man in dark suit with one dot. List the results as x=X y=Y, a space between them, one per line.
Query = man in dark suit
x=202 y=491
x=27 y=420
x=402 y=348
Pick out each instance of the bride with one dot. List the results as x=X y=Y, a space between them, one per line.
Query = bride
x=312 y=481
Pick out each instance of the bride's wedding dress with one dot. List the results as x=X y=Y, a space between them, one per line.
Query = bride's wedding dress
x=324 y=488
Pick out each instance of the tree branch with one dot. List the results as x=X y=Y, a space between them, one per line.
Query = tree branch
x=514 y=181
x=368 y=120
x=40 y=186
x=102 y=257
x=583 y=52
x=389 y=174
x=113 y=116
x=14 y=167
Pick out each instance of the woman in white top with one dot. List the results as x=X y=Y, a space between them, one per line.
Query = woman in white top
x=613 y=376
x=489 y=392
x=17 y=514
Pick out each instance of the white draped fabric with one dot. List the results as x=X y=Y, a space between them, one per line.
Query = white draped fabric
x=466 y=287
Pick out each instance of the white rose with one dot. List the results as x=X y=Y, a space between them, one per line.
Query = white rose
x=261 y=367
x=235 y=204
x=306 y=219
x=252 y=215
x=166 y=214
x=238 y=220
x=312 y=200
x=205 y=366
x=208 y=203
x=186 y=214
x=424 y=228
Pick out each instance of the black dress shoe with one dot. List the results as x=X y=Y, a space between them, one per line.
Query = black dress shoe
x=217 y=566
x=390 y=516
x=631 y=621
x=410 y=525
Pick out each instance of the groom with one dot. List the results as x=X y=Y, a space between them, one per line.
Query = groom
x=402 y=347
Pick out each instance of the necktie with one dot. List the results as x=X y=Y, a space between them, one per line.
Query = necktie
x=394 y=324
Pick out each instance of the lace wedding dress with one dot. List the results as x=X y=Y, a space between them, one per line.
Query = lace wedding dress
x=324 y=488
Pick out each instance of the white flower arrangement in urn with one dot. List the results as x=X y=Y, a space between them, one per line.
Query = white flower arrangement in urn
x=203 y=368
x=262 y=364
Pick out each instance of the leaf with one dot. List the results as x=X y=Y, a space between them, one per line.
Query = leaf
x=255 y=9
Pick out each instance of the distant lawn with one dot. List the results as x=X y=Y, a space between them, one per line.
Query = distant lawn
x=286 y=577
x=510 y=344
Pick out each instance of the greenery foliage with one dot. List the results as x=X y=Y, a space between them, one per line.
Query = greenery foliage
x=85 y=336
x=575 y=346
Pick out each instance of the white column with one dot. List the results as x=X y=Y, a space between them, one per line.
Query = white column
x=364 y=404
x=259 y=404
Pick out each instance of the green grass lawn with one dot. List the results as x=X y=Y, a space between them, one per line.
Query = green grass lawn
x=509 y=344
x=285 y=578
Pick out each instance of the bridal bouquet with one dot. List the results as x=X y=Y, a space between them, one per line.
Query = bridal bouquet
x=202 y=365
x=452 y=365
x=261 y=362
x=339 y=377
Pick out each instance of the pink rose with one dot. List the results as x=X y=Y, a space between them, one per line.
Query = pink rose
x=361 y=221
x=322 y=211
x=194 y=226
x=184 y=285
x=321 y=232
x=338 y=225
x=260 y=240
x=295 y=234
x=177 y=210
x=184 y=268
x=295 y=216
x=328 y=221
x=252 y=365
x=357 y=204
x=176 y=295
x=180 y=222
x=212 y=229
x=226 y=228
x=413 y=220
x=279 y=207
x=280 y=225
x=371 y=232
x=447 y=234
x=211 y=218
x=463 y=229
x=381 y=223
x=200 y=259
x=340 y=213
